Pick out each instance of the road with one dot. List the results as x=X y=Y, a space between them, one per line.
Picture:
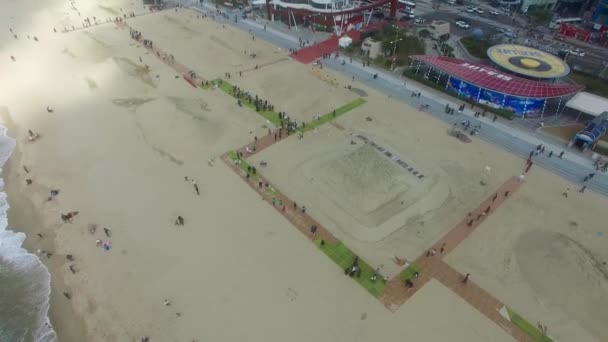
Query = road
x=573 y=166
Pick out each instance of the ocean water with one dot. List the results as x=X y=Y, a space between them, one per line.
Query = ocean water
x=25 y=283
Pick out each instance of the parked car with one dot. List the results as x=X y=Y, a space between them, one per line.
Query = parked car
x=478 y=10
x=451 y=2
x=470 y=9
x=419 y=21
x=462 y=24
x=494 y=12
x=577 y=52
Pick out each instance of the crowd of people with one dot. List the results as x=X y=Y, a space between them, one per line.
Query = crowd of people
x=260 y=105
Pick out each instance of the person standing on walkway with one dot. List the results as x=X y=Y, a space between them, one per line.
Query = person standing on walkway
x=195 y=187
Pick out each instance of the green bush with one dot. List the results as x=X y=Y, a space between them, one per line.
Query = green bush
x=592 y=83
x=477 y=47
x=540 y=16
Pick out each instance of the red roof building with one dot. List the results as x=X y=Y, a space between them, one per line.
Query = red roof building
x=489 y=78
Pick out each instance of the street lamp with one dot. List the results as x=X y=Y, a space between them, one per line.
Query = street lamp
x=395 y=52
x=394 y=42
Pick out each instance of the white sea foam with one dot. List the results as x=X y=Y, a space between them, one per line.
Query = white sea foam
x=25 y=283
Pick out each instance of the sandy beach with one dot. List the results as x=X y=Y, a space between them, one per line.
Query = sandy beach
x=127 y=135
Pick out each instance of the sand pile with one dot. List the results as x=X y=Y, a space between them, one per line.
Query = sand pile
x=365 y=179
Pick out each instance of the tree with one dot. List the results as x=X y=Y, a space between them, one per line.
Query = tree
x=540 y=16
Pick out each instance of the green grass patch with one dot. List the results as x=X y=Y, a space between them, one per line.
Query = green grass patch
x=527 y=327
x=330 y=116
x=273 y=116
x=228 y=88
x=243 y=165
x=344 y=257
x=408 y=272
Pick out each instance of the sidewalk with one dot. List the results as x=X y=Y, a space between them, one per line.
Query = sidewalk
x=573 y=166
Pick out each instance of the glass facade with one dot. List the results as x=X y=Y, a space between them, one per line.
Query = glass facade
x=519 y=105
x=600 y=15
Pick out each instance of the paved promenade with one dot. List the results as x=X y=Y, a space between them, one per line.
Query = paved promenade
x=573 y=166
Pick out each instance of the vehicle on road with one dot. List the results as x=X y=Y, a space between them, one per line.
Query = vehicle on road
x=462 y=24
x=494 y=12
x=470 y=9
x=478 y=10
x=451 y=2
x=419 y=21
x=409 y=4
x=556 y=23
x=408 y=13
x=576 y=52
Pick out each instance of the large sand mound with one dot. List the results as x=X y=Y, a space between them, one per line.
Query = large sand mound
x=367 y=179
x=368 y=193
x=549 y=258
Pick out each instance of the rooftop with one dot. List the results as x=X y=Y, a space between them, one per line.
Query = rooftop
x=498 y=81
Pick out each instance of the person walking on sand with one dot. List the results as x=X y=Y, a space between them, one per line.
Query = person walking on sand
x=582 y=190
x=195 y=187
x=107 y=231
x=466 y=278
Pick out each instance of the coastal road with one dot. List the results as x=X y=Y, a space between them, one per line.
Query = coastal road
x=573 y=166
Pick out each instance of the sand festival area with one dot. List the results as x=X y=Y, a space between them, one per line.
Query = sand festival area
x=127 y=135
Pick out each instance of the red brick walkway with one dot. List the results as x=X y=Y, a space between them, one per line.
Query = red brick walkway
x=263 y=142
x=285 y=206
x=167 y=58
x=396 y=293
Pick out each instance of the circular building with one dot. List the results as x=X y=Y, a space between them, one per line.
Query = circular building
x=528 y=62
x=524 y=81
